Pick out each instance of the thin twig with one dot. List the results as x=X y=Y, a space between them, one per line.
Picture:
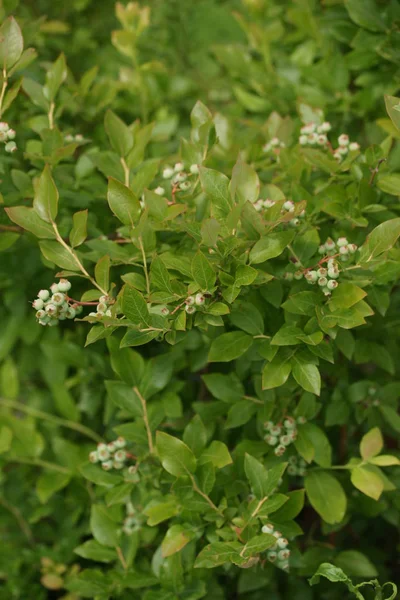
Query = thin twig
x=24 y=525
x=37 y=462
x=146 y=420
x=126 y=171
x=375 y=171
x=3 y=90
x=121 y=558
x=51 y=115
x=40 y=414
x=203 y=495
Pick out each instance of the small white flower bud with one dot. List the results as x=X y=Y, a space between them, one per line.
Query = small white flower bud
x=194 y=169
x=288 y=276
x=324 y=127
x=159 y=191
x=268 y=203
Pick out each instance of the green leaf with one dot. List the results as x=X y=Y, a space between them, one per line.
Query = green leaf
x=391 y=416
x=90 y=583
x=134 y=306
x=11 y=43
x=326 y=496
x=346 y=295
x=46 y=197
x=161 y=511
x=306 y=374
x=54 y=78
x=276 y=372
x=257 y=544
x=6 y=436
x=257 y=475
x=123 y=202
x=103 y=527
x=229 y=346
x=203 y=272
x=124 y=397
x=120 y=136
x=367 y=481
x=92 y=550
x=102 y=272
x=176 y=457
x=371 y=444
x=270 y=246
x=329 y=571
x=385 y=460
x=389 y=183
x=392 y=106
x=217 y=453
x=355 y=563
x=195 y=435
x=78 y=232
x=159 y=276
x=245 y=275
x=292 y=507
x=217 y=554
x=303 y=303
x=50 y=482
x=58 y=255
x=365 y=13
x=134 y=338
x=247 y=317
x=216 y=187
x=381 y=239
x=175 y=539
x=209 y=232
x=245 y=184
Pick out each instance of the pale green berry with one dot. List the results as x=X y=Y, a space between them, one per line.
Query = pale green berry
x=301 y=420
x=108 y=313
x=10 y=147
x=352 y=248
x=54 y=288
x=330 y=244
x=302 y=472
x=11 y=134
x=333 y=273
x=52 y=322
x=57 y=299
x=107 y=465
x=179 y=177
x=120 y=455
x=190 y=309
x=101 y=307
x=159 y=191
x=289 y=206
x=277 y=534
x=103 y=299
x=267 y=528
x=190 y=300
x=285 y=440
x=38 y=304
x=343 y=250
x=40 y=314
x=178 y=167
x=288 y=276
x=64 y=285
x=276 y=430
x=289 y=423
x=298 y=275
x=194 y=169
x=282 y=543
x=332 y=284
x=120 y=442
x=111 y=447
x=4 y=126
x=342 y=241
x=118 y=465
x=70 y=313
x=322 y=281
x=199 y=299
x=280 y=450
x=272 y=556
x=43 y=321
x=268 y=425
x=292 y=470
x=132 y=470
x=311 y=276
x=303 y=140
x=103 y=454
x=292 y=460
x=272 y=440
x=284 y=554
x=93 y=457
x=3 y=136
x=295 y=222
x=168 y=172
x=184 y=186
x=51 y=309
x=343 y=140
x=321 y=250
x=322 y=272
x=44 y=295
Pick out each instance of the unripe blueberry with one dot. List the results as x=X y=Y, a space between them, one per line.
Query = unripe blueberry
x=4 y=126
x=38 y=304
x=199 y=299
x=103 y=454
x=51 y=309
x=40 y=314
x=311 y=276
x=101 y=307
x=322 y=139
x=64 y=285
x=44 y=321
x=322 y=281
x=268 y=425
x=272 y=556
x=167 y=173
x=120 y=442
x=93 y=457
x=333 y=273
x=279 y=450
x=276 y=430
x=11 y=134
x=179 y=166
x=354 y=146
x=284 y=554
x=343 y=250
x=282 y=543
x=272 y=440
x=57 y=299
x=330 y=244
x=303 y=140
x=292 y=460
x=285 y=440
x=292 y=470
x=342 y=150
x=322 y=272
x=159 y=191
x=288 y=276
x=184 y=186
x=258 y=205
x=342 y=241
x=179 y=177
x=165 y=311
x=108 y=313
x=44 y=295
x=190 y=300
x=3 y=136
x=118 y=464
x=268 y=203
x=267 y=528
x=190 y=309
x=289 y=423
x=298 y=275
x=54 y=288
x=295 y=222
x=52 y=322
x=336 y=156
x=293 y=434
x=194 y=169
x=302 y=472
x=343 y=140
x=321 y=249
x=107 y=465
x=289 y=206
x=332 y=284
x=132 y=470
x=120 y=455
x=301 y=420
x=325 y=127
x=10 y=147
x=70 y=313
x=111 y=447
x=312 y=138
x=352 y=248
x=277 y=534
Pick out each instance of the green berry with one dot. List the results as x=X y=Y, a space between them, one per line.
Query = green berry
x=38 y=304
x=70 y=313
x=54 y=288
x=332 y=284
x=51 y=309
x=57 y=299
x=120 y=456
x=190 y=309
x=10 y=147
x=44 y=295
x=64 y=285
x=322 y=281
x=40 y=314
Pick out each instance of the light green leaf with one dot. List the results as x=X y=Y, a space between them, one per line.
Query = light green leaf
x=46 y=197
x=306 y=374
x=103 y=527
x=203 y=272
x=367 y=481
x=102 y=272
x=217 y=453
x=134 y=306
x=381 y=239
x=11 y=43
x=326 y=496
x=54 y=78
x=371 y=443
x=58 y=255
x=120 y=136
x=229 y=346
x=78 y=232
x=176 y=457
x=123 y=202
x=216 y=187
x=270 y=246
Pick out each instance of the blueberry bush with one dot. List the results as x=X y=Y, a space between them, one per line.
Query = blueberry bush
x=199 y=343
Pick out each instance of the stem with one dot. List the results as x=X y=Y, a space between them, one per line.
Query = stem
x=145 y=419
x=126 y=171
x=203 y=495
x=294 y=255
x=51 y=115
x=121 y=557
x=24 y=525
x=146 y=273
x=76 y=259
x=3 y=90
x=375 y=171
x=37 y=462
x=34 y=412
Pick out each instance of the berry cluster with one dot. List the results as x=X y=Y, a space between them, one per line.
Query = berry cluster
x=315 y=135
x=273 y=146
x=297 y=466
x=281 y=435
x=102 y=308
x=74 y=138
x=279 y=553
x=131 y=521
x=54 y=305
x=111 y=456
x=7 y=135
x=179 y=176
x=288 y=207
x=192 y=302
